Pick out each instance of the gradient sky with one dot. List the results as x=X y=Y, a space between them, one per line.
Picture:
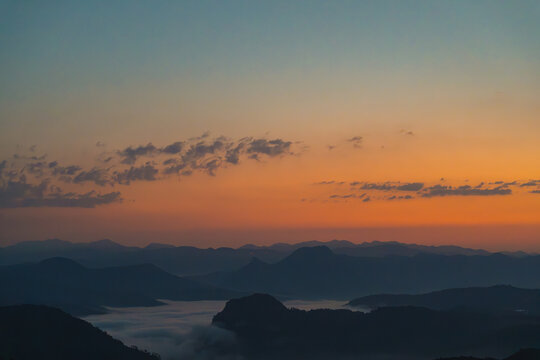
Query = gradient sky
x=415 y=121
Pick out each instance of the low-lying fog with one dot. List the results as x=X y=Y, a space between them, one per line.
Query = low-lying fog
x=181 y=329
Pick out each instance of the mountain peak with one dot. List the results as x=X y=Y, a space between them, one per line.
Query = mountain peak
x=255 y=308
x=105 y=244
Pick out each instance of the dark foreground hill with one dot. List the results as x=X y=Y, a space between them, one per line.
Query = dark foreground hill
x=79 y=290
x=30 y=332
x=494 y=299
x=266 y=329
x=318 y=272
x=525 y=354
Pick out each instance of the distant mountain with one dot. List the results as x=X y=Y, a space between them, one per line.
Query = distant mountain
x=79 y=290
x=180 y=260
x=317 y=272
x=286 y=247
x=188 y=260
x=493 y=299
x=266 y=329
x=154 y=246
x=29 y=332
x=377 y=248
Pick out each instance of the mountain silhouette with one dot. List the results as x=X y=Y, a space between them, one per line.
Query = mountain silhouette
x=189 y=260
x=179 y=260
x=79 y=290
x=495 y=298
x=524 y=354
x=29 y=332
x=266 y=329
x=317 y=272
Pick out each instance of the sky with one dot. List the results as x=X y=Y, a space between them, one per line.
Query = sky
x=213 y=123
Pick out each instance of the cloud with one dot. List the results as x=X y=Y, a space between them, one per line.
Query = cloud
x=410 y=186
x=531 y=183
x=465 y=190
x=124 y=166
x=356 y=141
x=330 y=182
x=394 y=188
x=209 y=343
x=347 y=196
x=269 y=147
x=145 y=172
x=535 y=191
x=173 y=148
x=130 y=154
x=98 y=176
x=233 y=155
x=35 y=168
x=366 y=199
x=388 y=186
x=100 y=144
x=176 y=331
x=406 y=132
x=402 y=197
x=64 y=170
x=3 y=165
x=373 y=186
x=19 y=193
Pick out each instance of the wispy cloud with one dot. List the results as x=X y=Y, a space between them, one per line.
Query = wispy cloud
x=464 y=190
x=393 y=190
x=22 y=194
x=356 y=141
x=26 y=182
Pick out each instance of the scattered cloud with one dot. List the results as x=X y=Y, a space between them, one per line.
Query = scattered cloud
x=372 y=190
x=64 y=170
x=130 y=154
x=96 y=175
x=410 y=186
x=402 y=197
x=145 y=172
x=406 y=132
x=356 y=141
x=347 y=196
x=133 y=163
x=274 y=147
x=374 y=186
x=325 y=182
x=19 y=193
x=465 y=190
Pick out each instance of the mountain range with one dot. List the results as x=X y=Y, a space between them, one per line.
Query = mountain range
x=80 y=290
x=318 y=272
x=189 y=260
